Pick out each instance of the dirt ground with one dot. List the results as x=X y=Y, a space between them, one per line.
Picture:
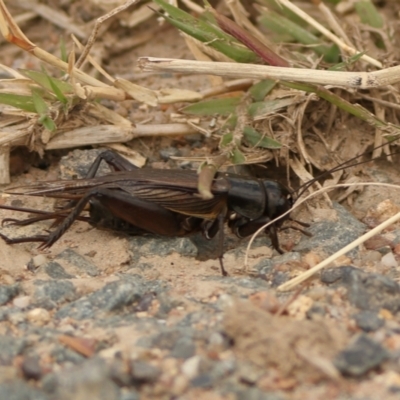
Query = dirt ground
x=104 y=315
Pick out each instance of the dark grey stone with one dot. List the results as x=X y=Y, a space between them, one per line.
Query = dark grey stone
x=265 y=265
x=78 y=261
x=111 y=297
x=257 y=394
x=20 y=390
x=166 y=340
x=183 y=348
x=10 y=347
x=369 y=321
x=31 y=367
x=331 y=236
x=202 y=381
x=129 y=394
x=49 y=294
x=77 y=163
x=63 y=354
x=56 y=271
x=143 y=372
x=8 y=292
x=316 y=310
x=365 y=290
x=89 y=380
x=332 y=275
x=371 y=291
x=142 y=246
x=360 y=356
x=222 y=369
x=278 y=278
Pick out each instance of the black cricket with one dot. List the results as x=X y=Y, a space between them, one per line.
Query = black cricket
x=162 y=202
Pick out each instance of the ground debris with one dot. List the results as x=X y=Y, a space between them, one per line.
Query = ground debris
x=282 y=344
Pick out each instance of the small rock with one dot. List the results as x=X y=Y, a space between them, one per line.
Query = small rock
x=8 y=292
x=365 y=290
x=56 y=271
x=190 y=368
x=38 y=260
x=369 y=321
x=20 y=390
x=183 y=348
x=39 y=316
x=31 y=368
x=202 y=381
x=22 y=302
x=73 y=258
x=10 y=347
x=89 y=380
x=360 y=356
x=143 y=372
x=111 y=297
x=388 y=260
x=51 y=293
x=331 y=236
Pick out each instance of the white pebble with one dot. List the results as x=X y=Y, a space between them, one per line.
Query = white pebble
x=39 y=316
x=190 y=368
x=22 y=302
x=388 y=260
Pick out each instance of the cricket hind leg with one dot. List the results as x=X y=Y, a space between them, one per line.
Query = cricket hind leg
x=139 y=213
x=40 y=216
x=114 y=160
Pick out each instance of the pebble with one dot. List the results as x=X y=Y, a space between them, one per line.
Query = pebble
x=190 y=368
x=8 y=292
x=388 y=260
x=365 y=290
x=331 y=236
x=57 y=271
x=360 y=356
x=22 y=302
x=38 y=316
x=143 y=372
x=38 y=260
x=369 y=321
x=20 y=390
x=183 y=348
x=75 y=259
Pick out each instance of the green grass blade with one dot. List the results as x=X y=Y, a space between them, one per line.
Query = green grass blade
x=42 y=79
x=40 y=105
x=354 y=109
x=205 y=32
x=48 y=123
x=223 y=106
x=255 y=138
x=368 y=13
x=237 y=156
x=63 y=50
x=261 y=109
x=343 y=65
x=261 y=89
x=18 y=101
x=282 y=25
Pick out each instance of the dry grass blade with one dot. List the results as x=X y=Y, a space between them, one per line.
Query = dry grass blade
x=357 y=80
x=96 y=28
x=308 y=274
